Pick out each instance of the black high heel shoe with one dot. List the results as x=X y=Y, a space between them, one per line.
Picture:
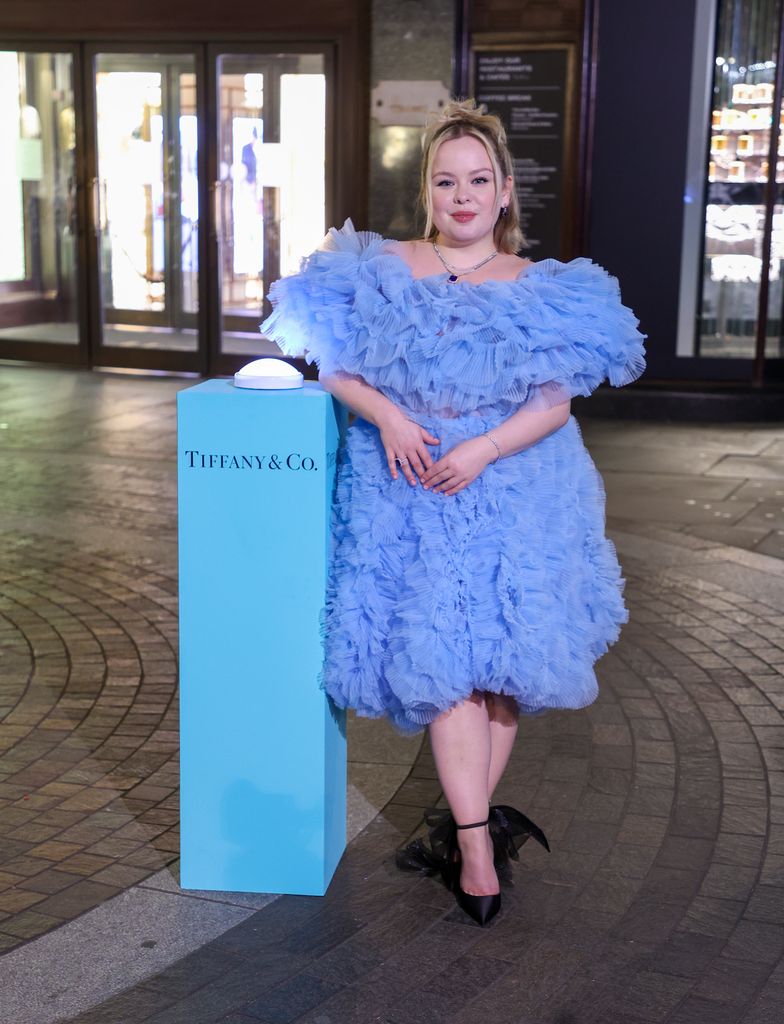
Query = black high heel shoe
x=481 y=908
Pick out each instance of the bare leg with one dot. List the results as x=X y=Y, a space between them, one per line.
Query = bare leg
x=461 y=743
x=503 y=716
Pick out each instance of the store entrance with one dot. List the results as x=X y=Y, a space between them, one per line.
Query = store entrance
x=42 y=312
x=154 y=196
x=145 y=203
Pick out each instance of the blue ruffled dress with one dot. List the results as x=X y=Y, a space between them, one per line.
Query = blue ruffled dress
x=510 y=585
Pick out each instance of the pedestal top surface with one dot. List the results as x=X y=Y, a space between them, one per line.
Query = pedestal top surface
x=221 y=386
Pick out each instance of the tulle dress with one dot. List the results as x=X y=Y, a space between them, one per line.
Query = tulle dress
x=511 y=585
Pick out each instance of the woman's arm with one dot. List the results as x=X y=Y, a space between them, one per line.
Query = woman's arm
x=525 y=427
x=401 y=437
x=463 y=463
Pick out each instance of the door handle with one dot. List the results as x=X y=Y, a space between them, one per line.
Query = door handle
x=98 y=189
x=217 y=207
x=95 y=188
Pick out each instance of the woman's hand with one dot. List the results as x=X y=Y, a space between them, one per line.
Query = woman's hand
x=460 y=466
x=406 y=442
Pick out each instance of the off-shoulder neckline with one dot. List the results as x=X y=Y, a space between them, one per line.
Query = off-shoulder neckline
x=441 y=278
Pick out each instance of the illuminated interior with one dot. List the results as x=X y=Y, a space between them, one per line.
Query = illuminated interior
x=271 y=194
x=143 y=202
x=37 y=198
x=738 y=171
x=146 y=199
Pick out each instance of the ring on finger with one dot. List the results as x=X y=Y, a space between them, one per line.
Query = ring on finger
x=403 y=462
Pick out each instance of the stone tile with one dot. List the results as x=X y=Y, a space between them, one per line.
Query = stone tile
x=28 y=924
x=653 y=995
x=695 y=1010
x=50 y=881
x=14 y=900
x=756 y=467
x=688 y=954
x=449 y=990
x=651 y=918
x=77 y=898
x=714 y=917
x=731 y=981
x=729 y=882
x=291 y=999
x=739 y=849
x=756 y=941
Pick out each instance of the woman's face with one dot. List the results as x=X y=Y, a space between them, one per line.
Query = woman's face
x=465 y=203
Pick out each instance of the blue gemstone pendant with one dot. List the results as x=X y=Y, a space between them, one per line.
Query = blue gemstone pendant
x=452 y=278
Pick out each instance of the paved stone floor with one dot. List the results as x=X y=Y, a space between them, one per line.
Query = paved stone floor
x=663 y=899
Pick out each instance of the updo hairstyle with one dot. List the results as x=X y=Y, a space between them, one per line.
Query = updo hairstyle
x=458 y=119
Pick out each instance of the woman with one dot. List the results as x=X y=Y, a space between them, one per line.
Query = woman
x=471 y=578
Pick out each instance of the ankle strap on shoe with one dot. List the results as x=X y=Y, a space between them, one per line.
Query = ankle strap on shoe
x=474 y=824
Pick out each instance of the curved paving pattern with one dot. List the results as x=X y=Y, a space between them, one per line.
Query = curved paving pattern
x=663 y=899
x=88 y=746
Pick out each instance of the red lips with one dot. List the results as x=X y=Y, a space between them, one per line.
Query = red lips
x=463 y=218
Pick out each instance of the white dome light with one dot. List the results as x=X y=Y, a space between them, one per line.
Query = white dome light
x=268 y=374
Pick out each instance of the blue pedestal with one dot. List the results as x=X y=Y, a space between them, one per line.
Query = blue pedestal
x=263 y=753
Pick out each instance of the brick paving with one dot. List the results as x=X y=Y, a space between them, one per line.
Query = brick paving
x=663 y=898
x=88 y=744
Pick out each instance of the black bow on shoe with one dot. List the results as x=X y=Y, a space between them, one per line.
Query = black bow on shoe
x=509 y=829
x=431 y=855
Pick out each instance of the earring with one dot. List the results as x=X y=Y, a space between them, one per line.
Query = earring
x=504 y=211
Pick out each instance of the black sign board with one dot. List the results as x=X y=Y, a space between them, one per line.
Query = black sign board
x=527 y=87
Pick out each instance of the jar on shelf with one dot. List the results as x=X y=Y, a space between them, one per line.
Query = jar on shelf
x=759 y=117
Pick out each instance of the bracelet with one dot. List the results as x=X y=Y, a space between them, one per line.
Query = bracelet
x=493 y=441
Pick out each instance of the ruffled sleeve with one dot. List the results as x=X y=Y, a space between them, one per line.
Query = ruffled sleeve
x=577 y=333
x=557 y=331
x=312 y=309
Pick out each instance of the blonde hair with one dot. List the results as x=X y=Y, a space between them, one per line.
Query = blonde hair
x=458 y=119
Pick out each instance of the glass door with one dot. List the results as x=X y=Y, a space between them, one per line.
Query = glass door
x=743 y=251
x=144 y=194
x=269 y=191
x=149 y=199
x=39 y=298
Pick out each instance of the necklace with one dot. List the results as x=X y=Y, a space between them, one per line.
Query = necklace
x=454 y=272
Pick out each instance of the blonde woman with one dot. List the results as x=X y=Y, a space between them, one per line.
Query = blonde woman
x=471 y=578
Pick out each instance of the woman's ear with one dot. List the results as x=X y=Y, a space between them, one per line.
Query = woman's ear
x=506 y=192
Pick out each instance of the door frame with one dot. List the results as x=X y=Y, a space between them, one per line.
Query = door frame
x=43 y=351
x=102 y=355
x=218 y=361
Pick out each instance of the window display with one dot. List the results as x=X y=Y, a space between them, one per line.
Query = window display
x=739 y=165
x=38 y=279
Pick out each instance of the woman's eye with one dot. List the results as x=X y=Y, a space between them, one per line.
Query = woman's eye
x=444 y=181
x=481 y=180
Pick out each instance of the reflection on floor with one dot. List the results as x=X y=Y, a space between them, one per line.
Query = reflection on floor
x=141 y=337
x=49 y=333
x=732 y=346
